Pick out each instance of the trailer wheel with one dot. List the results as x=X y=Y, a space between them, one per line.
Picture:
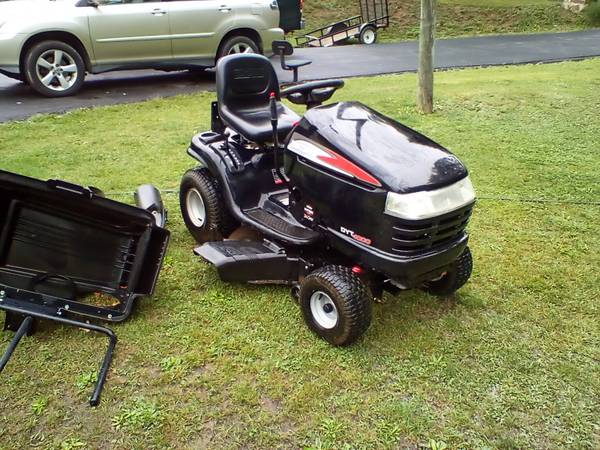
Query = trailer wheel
x=202 y=207
x=368 y=35
x=454 y=279
x=335 y=304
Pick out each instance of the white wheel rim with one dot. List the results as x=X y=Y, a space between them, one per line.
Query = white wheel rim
x=240 y=48
x=323 y=310
x=56 y=70
x=195 y=208
x=369 y=36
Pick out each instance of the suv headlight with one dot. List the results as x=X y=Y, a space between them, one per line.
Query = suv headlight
x=427 y=204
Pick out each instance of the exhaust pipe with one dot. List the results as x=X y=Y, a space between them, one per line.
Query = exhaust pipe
x=148 y=197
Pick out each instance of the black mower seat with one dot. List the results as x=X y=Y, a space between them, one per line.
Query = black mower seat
x=244 y=86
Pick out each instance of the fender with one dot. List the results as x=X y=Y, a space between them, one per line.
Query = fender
x=212 y=162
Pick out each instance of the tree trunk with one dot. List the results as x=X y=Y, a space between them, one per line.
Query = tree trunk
x=426 y=41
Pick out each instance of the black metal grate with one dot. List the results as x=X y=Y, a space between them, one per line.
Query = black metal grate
x=412 y=236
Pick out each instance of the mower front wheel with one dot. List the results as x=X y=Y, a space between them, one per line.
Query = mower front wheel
x=454 y=278
x=202 y=207
x=335 y=304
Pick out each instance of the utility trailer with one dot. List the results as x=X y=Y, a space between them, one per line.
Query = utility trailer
x=374 y=15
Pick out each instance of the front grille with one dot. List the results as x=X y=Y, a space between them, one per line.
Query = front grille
x=416 y=236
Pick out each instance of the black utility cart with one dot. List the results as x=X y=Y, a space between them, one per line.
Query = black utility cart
x=71 y=256
x=374 y=15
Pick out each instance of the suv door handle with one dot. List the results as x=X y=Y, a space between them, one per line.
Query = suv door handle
x=224 y=9
x=158 y=12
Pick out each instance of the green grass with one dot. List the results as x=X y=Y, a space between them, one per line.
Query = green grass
x=500 y=3
x=456 y=17
x=592 y=13
x=511 y=362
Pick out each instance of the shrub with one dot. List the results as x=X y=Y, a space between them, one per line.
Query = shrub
x=592 y=13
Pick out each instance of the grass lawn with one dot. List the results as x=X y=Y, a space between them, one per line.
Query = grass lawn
x=511 y=362
x=500 y=3
x=455 y=17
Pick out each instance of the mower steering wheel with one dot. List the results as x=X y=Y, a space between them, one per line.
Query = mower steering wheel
x=313 y=93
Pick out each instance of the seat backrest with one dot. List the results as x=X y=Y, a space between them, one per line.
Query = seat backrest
x=245 y=80
x=283 y=48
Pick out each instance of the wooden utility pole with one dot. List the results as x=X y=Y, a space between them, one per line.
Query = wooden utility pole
x=426 y=41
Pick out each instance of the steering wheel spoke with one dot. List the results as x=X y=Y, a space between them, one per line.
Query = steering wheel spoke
x=313 y=93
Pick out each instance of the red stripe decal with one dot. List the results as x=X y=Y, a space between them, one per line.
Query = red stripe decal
x=349 y=167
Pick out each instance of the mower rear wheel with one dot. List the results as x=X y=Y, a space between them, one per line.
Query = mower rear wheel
x=454 y=278
x=202 y=207
x=335 y=304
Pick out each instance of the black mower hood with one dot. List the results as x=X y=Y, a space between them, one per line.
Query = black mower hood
x=401 y=159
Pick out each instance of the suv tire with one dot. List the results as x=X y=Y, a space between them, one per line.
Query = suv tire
x=238 y=44
x=54 y=69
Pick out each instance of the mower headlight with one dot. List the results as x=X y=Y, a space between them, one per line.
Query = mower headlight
x=427 y=204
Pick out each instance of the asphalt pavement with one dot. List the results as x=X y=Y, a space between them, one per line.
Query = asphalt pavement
x=18 y=101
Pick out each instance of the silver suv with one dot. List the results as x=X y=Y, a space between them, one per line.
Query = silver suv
x=51 y=45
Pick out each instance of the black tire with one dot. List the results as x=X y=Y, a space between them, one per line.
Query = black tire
x=217 y=223
x=368 y=35
x=237 y=42
x=352 y=311
x=34 y=74
x=454 y=279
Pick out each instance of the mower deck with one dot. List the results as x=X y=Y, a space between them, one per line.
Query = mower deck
x=250 y=261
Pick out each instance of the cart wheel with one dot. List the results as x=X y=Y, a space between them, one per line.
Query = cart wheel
x=368 y=35
x=335 y=304
x=202 y=207
x=454 y=279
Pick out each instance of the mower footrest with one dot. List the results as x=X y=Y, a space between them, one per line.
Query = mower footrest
x=245 y=261
x=282 y=226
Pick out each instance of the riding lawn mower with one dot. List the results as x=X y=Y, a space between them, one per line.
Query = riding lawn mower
x=344 y=203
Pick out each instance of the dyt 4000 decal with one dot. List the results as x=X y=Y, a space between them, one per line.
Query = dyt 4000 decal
x=355 y=236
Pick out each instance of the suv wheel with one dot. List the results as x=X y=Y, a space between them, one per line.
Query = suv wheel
x=238 y=44
x=54 y=69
